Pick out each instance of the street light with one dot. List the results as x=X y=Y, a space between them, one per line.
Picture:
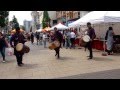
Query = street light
x=66 y=18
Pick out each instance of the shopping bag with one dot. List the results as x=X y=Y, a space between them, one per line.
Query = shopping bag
x=10 y=52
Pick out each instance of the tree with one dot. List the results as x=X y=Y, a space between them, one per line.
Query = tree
x=3 y=18
x=15 y=22
x=46 y=19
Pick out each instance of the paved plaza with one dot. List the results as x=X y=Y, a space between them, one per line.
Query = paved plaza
x=41 y=63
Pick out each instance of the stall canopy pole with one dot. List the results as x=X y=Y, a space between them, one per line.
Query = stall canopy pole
x=104 y=39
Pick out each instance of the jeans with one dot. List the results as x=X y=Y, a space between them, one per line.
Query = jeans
x=67 y=42
x=72 y=42
x=44 y=42
x=40 y=42
x=2 y=50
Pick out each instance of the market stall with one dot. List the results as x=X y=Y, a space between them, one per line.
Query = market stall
x=98 y=17
x=59 y=27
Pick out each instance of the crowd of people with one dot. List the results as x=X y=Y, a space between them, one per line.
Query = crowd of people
x=66 y=39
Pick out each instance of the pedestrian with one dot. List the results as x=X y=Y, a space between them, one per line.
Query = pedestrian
x=68 y=43
x=3 y=45
x=37 y=37
x=58 y=36
x=110 y=40
x=72 y=39
x=32 y=37
x=18 y=37
x=64 y=37
x=44 y=39
x=48 y=37
x=92 y=35
x=41 y=37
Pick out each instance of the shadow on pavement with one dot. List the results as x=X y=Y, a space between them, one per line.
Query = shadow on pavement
x=108 y=74
x=29 y=66
x=102 y=59
x=66 y=58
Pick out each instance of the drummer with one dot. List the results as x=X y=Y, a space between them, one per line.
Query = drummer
x=58 y=36
x=18 y=37
x=92 y=35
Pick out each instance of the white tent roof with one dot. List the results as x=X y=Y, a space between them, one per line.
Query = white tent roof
x=59 y=26
x=39 y=30
x=97 y=17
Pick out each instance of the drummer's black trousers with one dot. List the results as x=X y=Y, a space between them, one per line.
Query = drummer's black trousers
x=89 y=45
x=19 y=58
x=57 y=50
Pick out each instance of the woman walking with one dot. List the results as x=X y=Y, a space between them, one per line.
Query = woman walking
x=3 y=45
x=110 y=40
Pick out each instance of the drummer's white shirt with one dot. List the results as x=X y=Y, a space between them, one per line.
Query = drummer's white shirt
x=72 y=34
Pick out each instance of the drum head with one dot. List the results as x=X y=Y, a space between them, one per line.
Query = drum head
x=19 y=46
x=57 y=44
x=86 y=38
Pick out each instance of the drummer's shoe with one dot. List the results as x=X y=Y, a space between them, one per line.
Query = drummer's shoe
x=58 y=57
x=3 y=61
x=89 y=58
x=20 y=65
x=56 y=54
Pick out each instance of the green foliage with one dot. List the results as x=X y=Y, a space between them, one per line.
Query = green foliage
x=15 y=22
x=46 y=19
x=3 y=16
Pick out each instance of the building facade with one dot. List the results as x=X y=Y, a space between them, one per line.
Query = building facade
x=52 y=15
x=67 y=17
x=82 y=13
x=27 y=25
x=35 y=20
x=40 y=18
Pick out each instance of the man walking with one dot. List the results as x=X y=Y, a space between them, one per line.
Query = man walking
x=18 y=37
x=91 y=33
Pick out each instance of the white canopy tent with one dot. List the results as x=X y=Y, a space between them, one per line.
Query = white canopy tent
x=97 y=17
x=59 y=27
x=39 y=30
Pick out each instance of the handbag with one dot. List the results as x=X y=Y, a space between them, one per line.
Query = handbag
x=10 y=52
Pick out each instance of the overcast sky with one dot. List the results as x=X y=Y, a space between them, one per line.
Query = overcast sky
x=20 y=15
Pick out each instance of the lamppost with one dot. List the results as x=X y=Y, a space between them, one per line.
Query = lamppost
x=66 y=18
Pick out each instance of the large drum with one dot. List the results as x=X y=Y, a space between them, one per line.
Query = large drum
x=54 y=45
x=22 y=48
x=85 y=40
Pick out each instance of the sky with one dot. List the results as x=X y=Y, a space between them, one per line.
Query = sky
x=20 y=15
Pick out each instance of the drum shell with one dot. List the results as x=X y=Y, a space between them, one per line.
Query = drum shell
x=52 y=46
x=83 y=44
x=26 y=49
